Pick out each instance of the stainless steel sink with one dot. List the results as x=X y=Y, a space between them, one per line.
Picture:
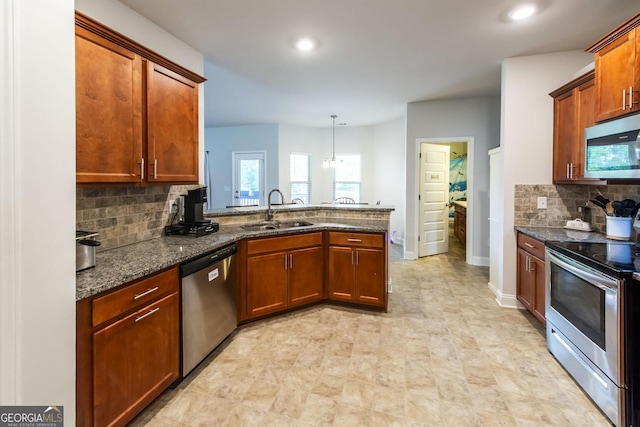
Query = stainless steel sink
x=275 y=225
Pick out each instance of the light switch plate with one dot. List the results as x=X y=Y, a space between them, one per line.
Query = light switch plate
x=542 y=203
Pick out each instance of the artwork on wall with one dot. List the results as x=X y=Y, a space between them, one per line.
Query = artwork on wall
x=458 y=181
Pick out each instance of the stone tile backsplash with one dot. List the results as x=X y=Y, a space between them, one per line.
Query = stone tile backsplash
x=563 y=202
x=125 y=215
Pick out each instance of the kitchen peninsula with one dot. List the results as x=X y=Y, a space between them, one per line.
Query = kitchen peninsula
x=128 y=311
x=122 y=265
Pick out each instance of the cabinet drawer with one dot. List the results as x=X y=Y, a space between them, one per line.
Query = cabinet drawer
x=356 y=239
x=133 y=296
x=283 y=243
x=531 y=245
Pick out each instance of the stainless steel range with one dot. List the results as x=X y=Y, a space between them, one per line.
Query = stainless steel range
x=590 y=327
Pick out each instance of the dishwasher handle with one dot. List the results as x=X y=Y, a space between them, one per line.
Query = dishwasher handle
x=204 y=261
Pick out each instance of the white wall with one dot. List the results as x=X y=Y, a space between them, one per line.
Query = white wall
x=128 y=22
x=527 y=136
x=37 y=193
x=382 y=154
x=472 y=117
x=222 y=141
x=389 y=166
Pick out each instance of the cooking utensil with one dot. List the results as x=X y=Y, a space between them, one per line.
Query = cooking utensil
x=617 y=208
x=609 y=209
x=86 y=249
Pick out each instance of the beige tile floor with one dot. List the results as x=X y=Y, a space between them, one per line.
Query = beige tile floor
x=445 y=354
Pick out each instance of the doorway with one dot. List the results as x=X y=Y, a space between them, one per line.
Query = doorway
x=435 y=236
x=249 y=175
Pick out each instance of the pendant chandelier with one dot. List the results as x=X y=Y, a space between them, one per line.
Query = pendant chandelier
x=332 y=162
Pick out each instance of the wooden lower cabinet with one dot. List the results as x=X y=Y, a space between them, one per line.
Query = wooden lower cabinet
x=460 y=224
x=128 y=359
x=135 y=359
x=531 y=276
x=305 y=279
x=357 y=273
x=266 y=284
x=282 y=272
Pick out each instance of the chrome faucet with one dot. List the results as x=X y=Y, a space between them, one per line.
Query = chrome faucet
x=269 y=210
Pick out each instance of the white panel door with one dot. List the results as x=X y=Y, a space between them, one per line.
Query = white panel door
x=434 y=199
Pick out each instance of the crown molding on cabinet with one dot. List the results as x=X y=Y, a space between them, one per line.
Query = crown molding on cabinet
x=96 y=27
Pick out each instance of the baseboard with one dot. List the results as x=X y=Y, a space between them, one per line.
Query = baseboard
x=503 y=300
x=410 y=255
x=480 y=261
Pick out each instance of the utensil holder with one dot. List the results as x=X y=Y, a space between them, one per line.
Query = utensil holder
x=619 y=228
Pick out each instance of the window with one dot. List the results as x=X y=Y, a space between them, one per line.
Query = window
x=346 y=177
x=300 y=177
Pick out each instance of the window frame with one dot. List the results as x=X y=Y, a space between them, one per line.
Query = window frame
x=358 y=183
x=292 y=182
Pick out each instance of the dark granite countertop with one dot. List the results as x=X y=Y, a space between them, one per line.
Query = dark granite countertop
x=118 y=266
x=295 y=208
x=558 y=234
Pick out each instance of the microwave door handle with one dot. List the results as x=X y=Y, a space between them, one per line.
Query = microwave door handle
x=595 y=280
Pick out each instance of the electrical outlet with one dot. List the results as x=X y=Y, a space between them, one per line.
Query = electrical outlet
x=542 y=203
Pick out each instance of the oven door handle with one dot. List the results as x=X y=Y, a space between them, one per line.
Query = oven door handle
x=579 y=270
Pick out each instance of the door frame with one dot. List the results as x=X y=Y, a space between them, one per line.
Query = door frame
x=263 y=153
x=470 y=195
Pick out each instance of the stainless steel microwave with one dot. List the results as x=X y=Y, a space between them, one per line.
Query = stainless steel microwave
x=612 y=149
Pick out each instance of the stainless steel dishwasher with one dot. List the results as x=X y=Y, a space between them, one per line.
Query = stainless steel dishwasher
x=208 y=304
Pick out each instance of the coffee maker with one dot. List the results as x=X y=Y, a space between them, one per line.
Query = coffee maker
x=193 y=204
x=193 y=223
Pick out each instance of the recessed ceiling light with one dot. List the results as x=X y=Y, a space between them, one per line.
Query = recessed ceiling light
x=305 y=44
x=523 y=11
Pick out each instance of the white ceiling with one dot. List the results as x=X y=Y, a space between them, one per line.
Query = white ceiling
x=375 y=55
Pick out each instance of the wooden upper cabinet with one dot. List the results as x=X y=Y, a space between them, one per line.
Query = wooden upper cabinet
x=574 y=109
x=108 y=111
x=172 y=132
x=136 y=112
x=617 y=58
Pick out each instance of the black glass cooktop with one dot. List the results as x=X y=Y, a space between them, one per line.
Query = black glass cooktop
x=620 y=258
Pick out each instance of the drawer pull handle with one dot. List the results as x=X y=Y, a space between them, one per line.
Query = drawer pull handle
x=355 y=240
x=145 y=293
x=529 y=245
x=149 y=313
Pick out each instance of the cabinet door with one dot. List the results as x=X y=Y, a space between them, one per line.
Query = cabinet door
x=615 y=72
x=135 y=359
x=108 y=111
x=536 y=266
x=305 y=270
x=341 y=273
x=585 y=104
x=525 y=285
x=172 y=120
x=564 y=130
x=370 y=277
x=266 y=284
